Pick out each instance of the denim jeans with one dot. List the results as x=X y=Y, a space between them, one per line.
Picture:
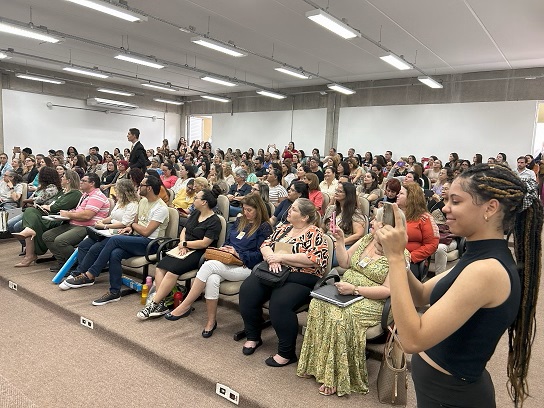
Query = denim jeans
x=87 y=251
x=15 y=224
x=117 y=248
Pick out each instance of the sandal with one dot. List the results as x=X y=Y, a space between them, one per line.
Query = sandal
x=327 y=391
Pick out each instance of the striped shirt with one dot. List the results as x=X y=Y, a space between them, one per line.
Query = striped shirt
x=95 y=201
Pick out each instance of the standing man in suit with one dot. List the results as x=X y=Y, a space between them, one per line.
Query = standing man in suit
x=138 y=156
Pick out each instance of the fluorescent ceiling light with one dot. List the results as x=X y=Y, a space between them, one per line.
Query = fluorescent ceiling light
x=332 y=23
x=397 y=62
x=161 y=87
x=27 y=32
x=4 y=56
x=217 y=46
x=427 y=80
x=85 y=72
x=40 y=78
x=112 y=9
x=216 y=98
x=115 y=92
x=217 y=80
x=112 y=102
x=341 y=89
x=169 y=101
x=292 y=72
x=271 y=94
x=138 y=60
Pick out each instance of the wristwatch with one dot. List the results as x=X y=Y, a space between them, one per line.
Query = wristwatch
x=184 y=244
x=355 y=291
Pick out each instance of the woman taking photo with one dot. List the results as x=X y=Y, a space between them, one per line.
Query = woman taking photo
x=35 y=225
x=487 y=290
x=422 y=230
x=201 y=231
x=123 y=214
x=306 y=260
x=244 y=240
x=341 y=366
x=297 y=189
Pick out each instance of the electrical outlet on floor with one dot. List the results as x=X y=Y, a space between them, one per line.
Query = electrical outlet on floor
x=12 y=285
x=227 y=393
x=86 y=322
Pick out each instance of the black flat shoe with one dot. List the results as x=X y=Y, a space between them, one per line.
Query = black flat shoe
x=170 y=316
x=273 y=363
x=250 y=350
x=208 y=333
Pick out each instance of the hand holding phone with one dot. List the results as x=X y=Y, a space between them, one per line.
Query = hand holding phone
x=332 y=223
x=388 y=214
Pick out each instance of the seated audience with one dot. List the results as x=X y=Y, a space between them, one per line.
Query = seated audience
x=237 y=191
x=446 y=242
x=11 y=190
x=106 y=180
x=330 y=183
x=314 y=194
x=392 y=188
x=276 y=192
x=370 y=188
x=186 y=173
x=168 y=176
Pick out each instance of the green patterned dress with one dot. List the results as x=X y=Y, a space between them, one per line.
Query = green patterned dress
x=334 y=344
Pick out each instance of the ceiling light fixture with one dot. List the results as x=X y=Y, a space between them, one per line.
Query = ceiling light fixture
x=40 y=78
x=341 y=89
x=161 y=87
x=4 y=56
x=217 y=80
x=216 y=98
x=271 y=94
x=115 y=92
x=397 y=62
x=112 y=102
x=292 y=72
x=87 y=72
x=112 y=8
x=333 y=24
x=431 y=83
x=168 y=101
x=231 y=50
x=27 y=32
x=139 y=60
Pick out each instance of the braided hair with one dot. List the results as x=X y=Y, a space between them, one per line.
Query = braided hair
x=522 y=218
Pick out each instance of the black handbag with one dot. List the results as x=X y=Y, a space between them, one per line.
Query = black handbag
x=268 y=278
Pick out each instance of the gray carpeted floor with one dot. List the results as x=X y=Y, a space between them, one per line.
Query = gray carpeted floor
x=50 y=360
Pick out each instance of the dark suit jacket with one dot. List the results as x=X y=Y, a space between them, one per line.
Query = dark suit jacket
x=138 y=157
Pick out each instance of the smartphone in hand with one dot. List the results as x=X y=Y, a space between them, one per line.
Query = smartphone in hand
x=332 y=223
x=388 y=214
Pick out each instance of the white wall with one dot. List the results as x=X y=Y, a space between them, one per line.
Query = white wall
x=258 y=129
x=29 y=122
x=422 y=130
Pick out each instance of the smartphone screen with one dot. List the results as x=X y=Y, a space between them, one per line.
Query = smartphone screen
x=332 y=226
x=388 y=214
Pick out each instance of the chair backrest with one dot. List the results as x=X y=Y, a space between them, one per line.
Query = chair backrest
x=223 y=205
x=112 y=204
x=271 y=206
x=99 y=173
x=223 y=233
x=326 y=201
x=24 y=193
x=364 y=206
x=173 y=223
x=171 y=195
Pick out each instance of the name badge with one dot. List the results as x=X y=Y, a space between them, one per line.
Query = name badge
x=240 y=235
x=365 y=261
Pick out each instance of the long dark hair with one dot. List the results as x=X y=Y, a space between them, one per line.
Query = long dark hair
x=348 y=208
x=523 y=218
x=47 y=176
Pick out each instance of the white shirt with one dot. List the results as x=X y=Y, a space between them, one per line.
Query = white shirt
x=526 y=173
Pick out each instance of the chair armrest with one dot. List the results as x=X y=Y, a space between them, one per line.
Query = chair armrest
x=161 y=242
x=385 y=313
x=333 y=274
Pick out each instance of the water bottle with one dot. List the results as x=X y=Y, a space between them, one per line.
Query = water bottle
x=178 y=297
x=149 y=282
x=145 y=291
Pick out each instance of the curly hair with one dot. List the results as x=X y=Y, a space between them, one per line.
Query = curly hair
x=47 y=176
x=126 y=192
x=522 y=217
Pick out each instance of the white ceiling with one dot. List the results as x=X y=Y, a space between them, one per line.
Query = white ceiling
x=439 y=36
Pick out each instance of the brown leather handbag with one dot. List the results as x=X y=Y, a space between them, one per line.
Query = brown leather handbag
x=393 y=377
x=225 y=257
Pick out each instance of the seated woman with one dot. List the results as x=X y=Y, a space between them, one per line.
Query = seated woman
x=330 y=183
x=370 y=188
x=216 y=177
x=356 y=172
x=35 y=225
x=168 y=176
x=10 y=190
x=348 y=216
x=422 y=230
x=297 y=189
x=244 y=240
x=48 y=187
x=237 y=191
x=333 y=350
x=201 y=231
x=186 y=173
x=106 y=180
x=445 y=175
x=185 y=198
x=314 y=193
x=306 y=261
x=446 y=244
x=392 y=188
x=123 y=214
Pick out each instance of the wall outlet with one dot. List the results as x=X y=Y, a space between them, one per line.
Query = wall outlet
x=86 y=322
x=227 y=393
x=12 y=285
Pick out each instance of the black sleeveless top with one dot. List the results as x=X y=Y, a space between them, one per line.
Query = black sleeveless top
x=466 y=352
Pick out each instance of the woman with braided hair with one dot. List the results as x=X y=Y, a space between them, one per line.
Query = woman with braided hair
x=484 y=295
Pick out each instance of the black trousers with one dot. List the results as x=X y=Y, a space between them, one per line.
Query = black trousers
x=434 y=389
x=283 y=303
